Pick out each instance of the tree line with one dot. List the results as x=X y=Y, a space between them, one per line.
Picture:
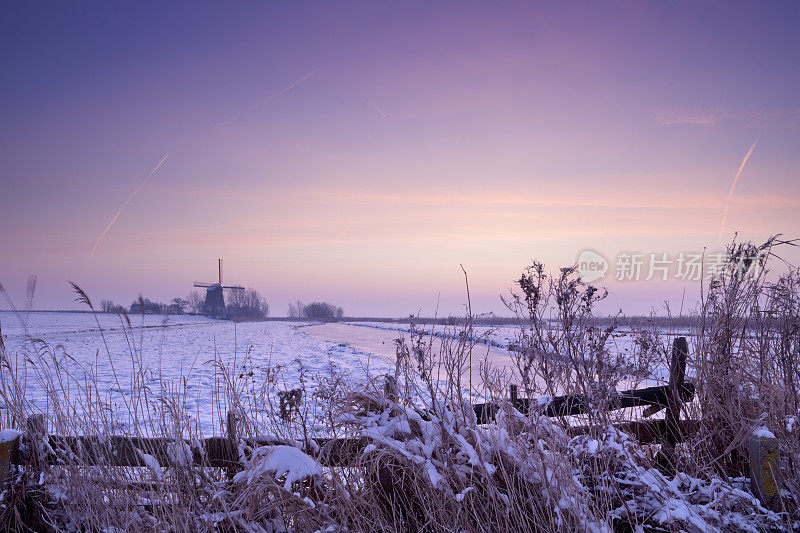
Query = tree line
x=315 y=311
x=245 y=304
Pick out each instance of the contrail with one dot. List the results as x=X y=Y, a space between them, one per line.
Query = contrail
x=100 y=238
x=373 y=104
x=267 y=99
x=733 y=186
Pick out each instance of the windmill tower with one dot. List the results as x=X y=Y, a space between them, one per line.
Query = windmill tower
x=215 y=302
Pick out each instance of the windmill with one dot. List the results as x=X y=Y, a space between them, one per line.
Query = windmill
x=215 y=302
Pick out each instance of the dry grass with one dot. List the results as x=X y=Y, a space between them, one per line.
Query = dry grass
x=430 y=466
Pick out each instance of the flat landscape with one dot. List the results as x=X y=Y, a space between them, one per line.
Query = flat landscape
x=400 y=267
x=169 y=349
x=173 y=348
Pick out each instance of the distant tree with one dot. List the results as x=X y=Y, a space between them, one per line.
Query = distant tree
x=146 y=306
x=324 y=311
x=109 y=306
x=195 y=302
x=177 y=306
x=296 y=309
x=246 y=305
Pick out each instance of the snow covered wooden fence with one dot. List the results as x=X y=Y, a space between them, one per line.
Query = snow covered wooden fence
x=667 y=397
x=36 y=450
x=570 y=405
x=223 y=452
x=220 y=452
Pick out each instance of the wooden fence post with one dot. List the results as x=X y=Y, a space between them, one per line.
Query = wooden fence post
x=36 y=435
x=9 y=456
x=764 y=469
x=513 y=393
x=390 y=388
x=672 y=415
x=233 y=444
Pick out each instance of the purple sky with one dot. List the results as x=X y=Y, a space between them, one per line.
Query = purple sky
x=427 y=135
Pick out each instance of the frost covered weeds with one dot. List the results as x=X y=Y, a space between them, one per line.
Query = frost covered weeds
x=423 y=463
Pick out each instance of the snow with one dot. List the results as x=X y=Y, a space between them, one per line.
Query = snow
x=151 y=463
x=369 y=448
x=460 y=496
x=544 y=401
x=503 y=337
x=174 y=348
x=433 y=474
x=57 y=492
x=57 y=325
x=591 y=446
x=9 y=435
x=449 y=455
x=763 y=432
x=677 y=510
x=179 y=453
x=177 y=348
x=280 y=461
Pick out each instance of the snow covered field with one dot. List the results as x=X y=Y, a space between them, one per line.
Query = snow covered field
x=175 y=347
x=501 y=337
x=498 y=336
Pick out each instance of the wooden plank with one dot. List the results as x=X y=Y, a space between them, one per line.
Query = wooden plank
x=221 y=453
x=645 y=431
x=571 y=405
x=340 y=452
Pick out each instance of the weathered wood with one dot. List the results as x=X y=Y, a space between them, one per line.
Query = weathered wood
x=677 y=374
x=221 y=453
x=340 y=452
x=645 y=431
x=35 y=438
x=390 y=388
x=9 y=456
x=127 y=451
x=485 y=413
x=234 y=465
x=571 y=405
x=764 y=470
x=230 y=426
